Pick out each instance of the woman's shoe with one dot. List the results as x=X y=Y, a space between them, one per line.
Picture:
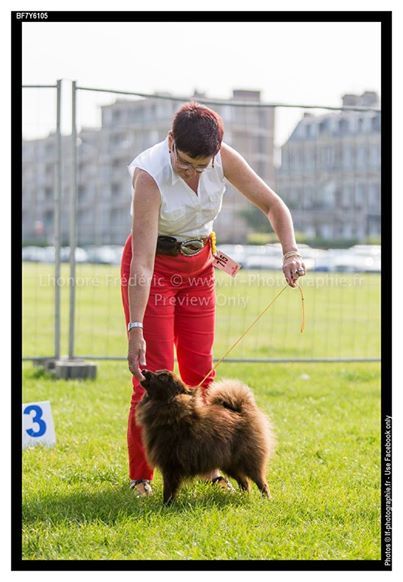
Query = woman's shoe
x=223 y=483
x=141 y=487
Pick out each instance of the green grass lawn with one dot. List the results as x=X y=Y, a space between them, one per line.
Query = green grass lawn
x=324 y=477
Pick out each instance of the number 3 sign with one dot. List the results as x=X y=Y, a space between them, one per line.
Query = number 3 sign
x=37 y=425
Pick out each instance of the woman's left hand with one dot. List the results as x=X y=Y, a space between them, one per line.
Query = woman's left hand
x=293 y=268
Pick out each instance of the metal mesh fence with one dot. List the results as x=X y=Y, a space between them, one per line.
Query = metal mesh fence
x=324 y=163
x=42 y=194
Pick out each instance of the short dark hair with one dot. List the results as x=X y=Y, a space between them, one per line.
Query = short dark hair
x=197 y=130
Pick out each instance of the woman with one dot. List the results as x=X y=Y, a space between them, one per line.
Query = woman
x=167 y=272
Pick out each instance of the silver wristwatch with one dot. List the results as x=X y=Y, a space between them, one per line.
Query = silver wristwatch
x=133 y=324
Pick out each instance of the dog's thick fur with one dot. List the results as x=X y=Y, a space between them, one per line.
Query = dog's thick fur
x=186 y=435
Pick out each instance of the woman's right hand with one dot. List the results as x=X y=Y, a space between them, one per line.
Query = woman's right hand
x=137 y=352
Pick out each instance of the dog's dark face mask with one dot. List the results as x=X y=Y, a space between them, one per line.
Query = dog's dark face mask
x=162 y=385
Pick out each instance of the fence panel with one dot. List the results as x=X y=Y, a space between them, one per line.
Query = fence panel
x=324 y=163
x=41 y=220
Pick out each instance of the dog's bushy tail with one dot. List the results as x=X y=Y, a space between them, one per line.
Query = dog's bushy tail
x=231 y=394
x=236 y=396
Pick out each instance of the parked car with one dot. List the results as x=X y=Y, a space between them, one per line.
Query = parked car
x=349 y=261
x=33 y=254
x=373 y=250
x=105 y=255
x=80 y=254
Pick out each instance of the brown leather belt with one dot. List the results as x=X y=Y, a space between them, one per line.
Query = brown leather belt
x=169 y=245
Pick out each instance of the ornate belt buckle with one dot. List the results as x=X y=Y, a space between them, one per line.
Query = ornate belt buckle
x=186 y=247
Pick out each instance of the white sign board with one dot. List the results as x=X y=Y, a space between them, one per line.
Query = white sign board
x=37 y=425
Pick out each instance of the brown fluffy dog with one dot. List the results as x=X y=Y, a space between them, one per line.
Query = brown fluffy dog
x=186 y=435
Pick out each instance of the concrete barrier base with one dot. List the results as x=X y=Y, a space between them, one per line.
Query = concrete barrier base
x=68 y=369
x=75 y=369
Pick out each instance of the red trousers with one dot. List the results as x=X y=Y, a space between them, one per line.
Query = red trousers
x=180 y=314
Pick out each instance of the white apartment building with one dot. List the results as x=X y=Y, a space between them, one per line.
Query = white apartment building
x=330 y=173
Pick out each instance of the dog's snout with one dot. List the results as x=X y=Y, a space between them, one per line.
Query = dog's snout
x=146 y=378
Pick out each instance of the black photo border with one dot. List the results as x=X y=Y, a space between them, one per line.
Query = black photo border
x=17 y=18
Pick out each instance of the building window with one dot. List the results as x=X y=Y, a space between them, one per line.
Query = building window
x=360 y=196
x=348 y=156
x=347 y=194
x=261 y=144
x=374 y=225
x=228 y=137
x=348 y=230
x=296 y=159
x=374 y=198
x=285 y=159
x=226 y=113
x=309 y=163
x=323 y=126
x=48 y=219
x=361 y=156
x=135 y=115
x=264 y=118
x=327 y=157
x=328 y=195
x=325 y=230
x=117 y=138
x=49 y=170
x=308 y=197
x=376 y=123
x=290 y=160
x=118 y=216
x=374 y=155
x=82 y=190
x=338 y=230
x=162 y=110
x=360 y=125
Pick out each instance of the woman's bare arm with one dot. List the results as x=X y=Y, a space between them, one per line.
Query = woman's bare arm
x=146 y=205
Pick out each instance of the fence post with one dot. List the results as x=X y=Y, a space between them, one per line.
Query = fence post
x=57 y=215
x=73 y=368
x=73 y=216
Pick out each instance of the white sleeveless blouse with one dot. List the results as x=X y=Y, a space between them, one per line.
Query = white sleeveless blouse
x=183 y=213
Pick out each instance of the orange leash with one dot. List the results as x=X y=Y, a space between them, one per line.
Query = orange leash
x=255 y=321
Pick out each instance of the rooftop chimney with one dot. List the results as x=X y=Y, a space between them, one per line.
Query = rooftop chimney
x=369 y=99
x=245 y=95
x=350 y=100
